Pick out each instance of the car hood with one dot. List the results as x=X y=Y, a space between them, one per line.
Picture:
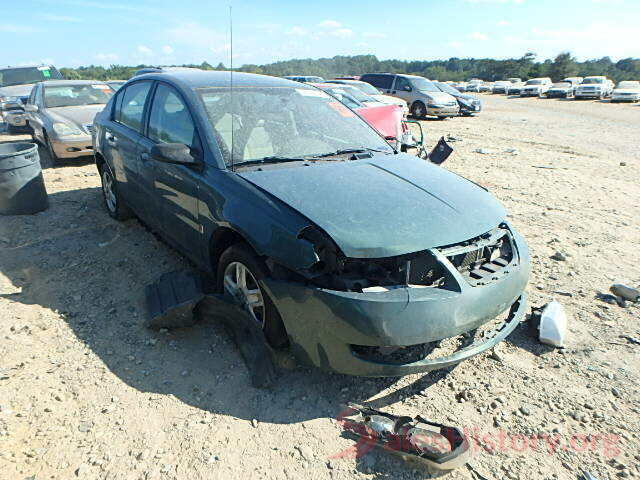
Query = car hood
x=79 y=116
x=529 y=87
x=439 y=97
x=468 y=98
x=384 y=206
x=16 y=90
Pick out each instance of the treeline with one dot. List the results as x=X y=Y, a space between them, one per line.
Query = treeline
x=564 y=65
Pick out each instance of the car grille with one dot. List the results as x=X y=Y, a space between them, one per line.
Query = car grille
x=484 y=259
x=89 y=128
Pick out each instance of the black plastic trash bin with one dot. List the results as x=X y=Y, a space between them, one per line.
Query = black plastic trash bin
x=22 y=189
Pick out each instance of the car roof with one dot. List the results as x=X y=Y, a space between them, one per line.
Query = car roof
x=35 y=65
x=207 y=78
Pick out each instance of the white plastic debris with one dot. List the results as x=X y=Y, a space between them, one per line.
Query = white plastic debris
x=553 y=324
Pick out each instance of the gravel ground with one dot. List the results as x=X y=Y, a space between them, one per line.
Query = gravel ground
x=87 y=392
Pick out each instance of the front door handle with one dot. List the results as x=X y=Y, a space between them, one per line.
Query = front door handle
x=111 y=139
x=144 y=156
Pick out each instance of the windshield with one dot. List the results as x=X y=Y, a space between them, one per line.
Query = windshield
x=593 y=80
x=364 y=87
x=284 y=122
x=422 y=84
x=445 y=87
x=534 y=82
x=76 y=95
x=343 y=95
x=358 y=94
x=562 y=84
x=629 y=84
x=27 y=75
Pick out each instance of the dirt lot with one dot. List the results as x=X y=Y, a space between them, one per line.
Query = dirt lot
x=86 y=391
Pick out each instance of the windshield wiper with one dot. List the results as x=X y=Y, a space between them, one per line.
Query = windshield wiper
x=346 y=151
x=271 y=159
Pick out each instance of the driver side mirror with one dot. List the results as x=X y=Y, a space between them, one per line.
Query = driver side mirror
x=177 y=153
x=407 y=88
x=30 y=107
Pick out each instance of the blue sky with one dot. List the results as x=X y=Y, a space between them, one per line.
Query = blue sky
x=102 y=32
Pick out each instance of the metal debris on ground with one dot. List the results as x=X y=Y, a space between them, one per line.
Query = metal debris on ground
x=588 y=476
x=432 y=444
x=172 y=299
x=625 y=292
x=247 y=335
x=440 y=152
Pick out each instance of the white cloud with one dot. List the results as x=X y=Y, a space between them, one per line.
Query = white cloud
x=144 y=50
x=12 y=28
x=478 y=36
x=108 y=57
x=342 y=32
x=362 y=45
x=503 y=23
x=329 y=24
x=222 y=48
x=167 y=49
x=59 y=18
x=194 y=35
x=296 y=31
x=495 y=1
x=455 y=44
x=374 y=35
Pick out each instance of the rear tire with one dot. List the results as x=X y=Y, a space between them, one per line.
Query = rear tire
x=256 y=271
x=116 y=208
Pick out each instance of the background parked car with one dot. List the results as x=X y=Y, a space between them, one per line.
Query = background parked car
x=500 y=86
x=486 y=86
x=115 y=84
x=561 y=90
x=460 y=86
x=573 y=80
x=536 y=87
x=305 y=78
x=514 y=80
x=61 y=112
x=468 y=103
x=473 y=86
x=597 y=86
x=15 y=85
x=371 y=91
x=514 y=88
x=423 y=97
x=626 y=91
x=385 y=118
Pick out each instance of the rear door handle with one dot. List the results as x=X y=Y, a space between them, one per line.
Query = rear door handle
x=110 y=138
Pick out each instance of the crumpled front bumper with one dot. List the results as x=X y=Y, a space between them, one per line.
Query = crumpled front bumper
x=323 y=325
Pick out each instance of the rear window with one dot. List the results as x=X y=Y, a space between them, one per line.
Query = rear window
x=27 y=75
x=130 y=105
x=378 y=80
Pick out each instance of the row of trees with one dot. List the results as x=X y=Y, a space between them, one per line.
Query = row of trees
x=564 y=65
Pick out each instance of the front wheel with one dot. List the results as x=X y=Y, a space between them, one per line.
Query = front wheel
x=239 y=276
x=418 y=110
x=112 y=200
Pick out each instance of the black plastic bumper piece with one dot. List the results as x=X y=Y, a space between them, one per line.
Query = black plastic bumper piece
x=171 y=300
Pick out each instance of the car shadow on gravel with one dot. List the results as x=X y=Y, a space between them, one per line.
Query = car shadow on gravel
x=77 y=262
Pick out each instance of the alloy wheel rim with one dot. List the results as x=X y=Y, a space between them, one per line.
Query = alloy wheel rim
x=240 y=283
x=107 y=189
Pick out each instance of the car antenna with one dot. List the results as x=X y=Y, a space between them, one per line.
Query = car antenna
x=231 y=81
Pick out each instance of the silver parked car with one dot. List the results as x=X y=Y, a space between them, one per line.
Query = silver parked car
x=422 y=95
x=60 y=114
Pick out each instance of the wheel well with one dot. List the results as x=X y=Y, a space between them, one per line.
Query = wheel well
x=222 y=239
x=416 y=102
x=99 y=160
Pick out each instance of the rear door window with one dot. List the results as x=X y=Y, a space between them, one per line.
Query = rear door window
x=380 y=81
x=170 y=120
x=131 y=109
x=401 y=85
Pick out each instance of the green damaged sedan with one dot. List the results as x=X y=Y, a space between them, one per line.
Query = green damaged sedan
x=360 y=259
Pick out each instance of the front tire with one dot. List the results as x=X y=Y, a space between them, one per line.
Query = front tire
x=112 y=199
x=418 y=110
x=52 y=154
x=239 y=275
